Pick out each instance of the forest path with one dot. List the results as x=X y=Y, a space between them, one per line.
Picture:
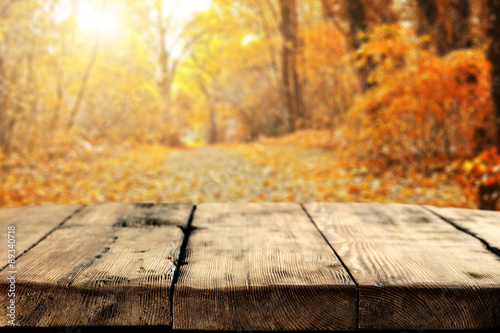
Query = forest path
x=245 y=172
x=214 y=174
x=262 y=172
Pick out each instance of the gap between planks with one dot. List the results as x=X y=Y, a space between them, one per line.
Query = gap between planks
x=341 y=261
x=44 y=236
x=186 y=231
x=388 y=261
x=261 y=266
x=100 y=259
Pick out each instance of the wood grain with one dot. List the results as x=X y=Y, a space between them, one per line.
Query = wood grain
x=110 y=264
x=480 y=223
x=414 y=270
x=261 y=267
x=132 y=215
x=32 y=224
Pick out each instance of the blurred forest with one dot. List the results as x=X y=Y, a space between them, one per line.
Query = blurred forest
x=250 y=100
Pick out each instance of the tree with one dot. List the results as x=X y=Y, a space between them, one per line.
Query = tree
x=7 y=120
x=237 y=96
x=353 y=18
x=447 y=22
x=460 y=22
x=168 y=66
x=494 y=58
x=327 y=65
x=489 y=193
x=170 y=38
x=86 y=75
x=205 y=78
x=61 y=37
x=355 y=10
x=19 y=37
x=428 y=21
x=290 y=76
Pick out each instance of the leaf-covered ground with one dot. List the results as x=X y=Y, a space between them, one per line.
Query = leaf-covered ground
x=339 y=180
x=235 y=173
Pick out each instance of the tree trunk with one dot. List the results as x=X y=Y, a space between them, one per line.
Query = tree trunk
x=446 y=38
x=291 y=83
x=4 y=127
x=60 y=66
x=31 y=84
x=168 y=67
x=428 y=17
x=460 y=22
x=494 y=58
x=212 y=134
x=488 y=195
x=165 y=81
x=212 y=116
x=356 y=15
x=268 y=27
x=429 y=24
x=7 y=120
x=327 y=9
x=355 y=10
x=84 y=82
x=59 y=76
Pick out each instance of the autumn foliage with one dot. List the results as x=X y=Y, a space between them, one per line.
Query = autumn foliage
x=328 y=100
x=424 y=104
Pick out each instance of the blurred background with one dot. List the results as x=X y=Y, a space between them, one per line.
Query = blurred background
x=189 y=101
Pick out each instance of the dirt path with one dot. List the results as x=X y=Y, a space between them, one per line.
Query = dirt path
x=220 y=175
x=232 y=173
x=255 y=172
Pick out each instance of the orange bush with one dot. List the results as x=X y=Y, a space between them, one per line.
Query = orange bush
x=421 y=104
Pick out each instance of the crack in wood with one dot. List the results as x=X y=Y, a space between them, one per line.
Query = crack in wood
x=490 y=248
x=179 y=258
x=147 y=221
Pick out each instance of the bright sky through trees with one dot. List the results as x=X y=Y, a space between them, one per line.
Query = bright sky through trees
x=185 y=8
x=107 y=19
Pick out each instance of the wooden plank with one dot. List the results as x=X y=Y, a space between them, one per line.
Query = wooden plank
x=414 y=270
x=257 y=266
x=32 y=223
x=99 y=272
x=480 y=223
x=133 y=215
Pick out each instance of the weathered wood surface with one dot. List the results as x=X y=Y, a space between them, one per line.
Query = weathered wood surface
x=483 y=224
x=261 y=267
x=33 y=223
x=109 y=264
x=414 y=270
x=254 y=266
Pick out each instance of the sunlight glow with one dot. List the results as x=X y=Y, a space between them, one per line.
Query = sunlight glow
x=184 y=9
x=248 y=39
x=105 y=21
x=108 y=22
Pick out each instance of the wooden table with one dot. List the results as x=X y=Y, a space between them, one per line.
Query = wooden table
x=251 y=266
